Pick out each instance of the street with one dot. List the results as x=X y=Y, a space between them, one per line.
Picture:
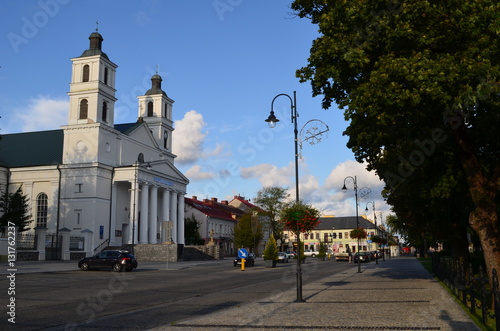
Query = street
x=147 y=297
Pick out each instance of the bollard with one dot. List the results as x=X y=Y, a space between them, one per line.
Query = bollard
x=242 y=264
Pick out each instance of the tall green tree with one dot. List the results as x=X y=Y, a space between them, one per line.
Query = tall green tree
x=419 y=82
x=191 y=231
x=248 y=232
x=15 y=210
x=272 y=200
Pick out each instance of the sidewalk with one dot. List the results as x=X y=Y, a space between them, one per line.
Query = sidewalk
x=396 y=294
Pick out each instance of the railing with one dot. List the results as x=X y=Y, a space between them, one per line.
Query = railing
x=101 y=246
x=26 y=241
x=472 y=289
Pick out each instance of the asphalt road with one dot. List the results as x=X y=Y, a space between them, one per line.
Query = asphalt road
x=147 y=298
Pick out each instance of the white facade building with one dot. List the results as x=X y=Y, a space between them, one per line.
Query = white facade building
x=114 y=183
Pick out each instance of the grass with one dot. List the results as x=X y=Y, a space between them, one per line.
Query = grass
x=476 y=317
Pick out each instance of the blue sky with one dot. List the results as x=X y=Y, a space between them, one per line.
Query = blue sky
x=222 y=61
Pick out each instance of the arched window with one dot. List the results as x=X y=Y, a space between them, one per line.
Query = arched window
x=41 y=209
x=106 y=72
x=165 y=139
x=84 y=109
x=86 y=73
x=165 y=114
x=104 y=111
x=150 y=109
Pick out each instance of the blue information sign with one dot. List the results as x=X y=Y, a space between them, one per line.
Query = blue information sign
x=242 y=253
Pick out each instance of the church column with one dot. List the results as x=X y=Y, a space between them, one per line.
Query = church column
x=153 y=208
x=134 y=212
x=166 y=216
x=180 y=229
x=143 y=232
x=173 y=214
x=112 y=226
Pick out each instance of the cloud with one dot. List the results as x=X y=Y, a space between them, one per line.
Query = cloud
x=42 y=113
x=364 y=178
x=269 y=175
x=196 y=173
x=188 y=137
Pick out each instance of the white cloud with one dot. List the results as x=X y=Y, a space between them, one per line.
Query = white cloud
x=196 y=173
x=42 y=113
x=269 y=175
x=188 y=137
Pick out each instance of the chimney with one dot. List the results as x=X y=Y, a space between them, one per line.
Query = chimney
x=206 y=200
x=195 y=197
x=214 y=199
x=225 y=202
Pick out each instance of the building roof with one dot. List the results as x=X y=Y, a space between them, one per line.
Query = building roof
x=343 y=222
x=208 y=209
x=127 y=128
x=31 y=149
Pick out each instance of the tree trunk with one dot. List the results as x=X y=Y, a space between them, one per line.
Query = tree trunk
x=484 y=219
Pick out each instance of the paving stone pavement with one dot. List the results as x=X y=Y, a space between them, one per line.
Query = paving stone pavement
x=396 y=294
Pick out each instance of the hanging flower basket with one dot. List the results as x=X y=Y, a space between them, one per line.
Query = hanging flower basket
x=300 y=218
x=358 y=233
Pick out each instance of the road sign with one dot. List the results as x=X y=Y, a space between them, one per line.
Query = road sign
x=242 y=253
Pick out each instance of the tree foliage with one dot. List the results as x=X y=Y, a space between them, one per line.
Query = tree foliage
x=191 y=231
x=271 y=250
x=15 y=210
x=419 y=82
x=248 y=232
x=272 y=199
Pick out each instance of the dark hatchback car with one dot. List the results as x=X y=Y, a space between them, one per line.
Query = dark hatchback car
x=116 y=260
x=249 y=261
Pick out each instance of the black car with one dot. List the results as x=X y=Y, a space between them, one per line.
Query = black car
x=249 y=261
x=116 y=260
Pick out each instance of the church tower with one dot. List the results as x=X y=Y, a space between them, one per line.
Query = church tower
x=155 y=108
x=92 y=88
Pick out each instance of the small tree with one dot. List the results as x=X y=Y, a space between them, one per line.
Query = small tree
x=271 y=251
x=247 y=232
x=15 y=209
x=192 y=234
x=322 y=251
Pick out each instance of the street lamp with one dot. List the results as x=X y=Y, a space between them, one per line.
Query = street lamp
x=272 y=120
x=344 y=188
x=375 y=220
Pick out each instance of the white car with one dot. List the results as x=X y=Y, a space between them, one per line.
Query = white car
x=310 y=252
x=282 y=257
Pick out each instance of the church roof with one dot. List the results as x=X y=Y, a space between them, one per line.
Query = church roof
x=127 y=128
x=209 y=209
x=31 y=149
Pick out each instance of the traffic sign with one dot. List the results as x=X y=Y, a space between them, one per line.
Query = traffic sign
x=242 y=253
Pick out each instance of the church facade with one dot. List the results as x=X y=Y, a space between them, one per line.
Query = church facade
x=116 y=184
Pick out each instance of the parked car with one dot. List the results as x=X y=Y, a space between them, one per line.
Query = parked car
x=116 y=260
x=249 y=261
x=362 y=256
x=310 y=252
x=282 y=257
x=290 y=254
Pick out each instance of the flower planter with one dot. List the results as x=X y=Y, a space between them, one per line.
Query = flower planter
x=270 y=263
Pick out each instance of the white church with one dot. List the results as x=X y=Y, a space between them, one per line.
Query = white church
x=112 y=184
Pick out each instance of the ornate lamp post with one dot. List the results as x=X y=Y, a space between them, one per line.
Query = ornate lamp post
x=272 y=120
x=375 y=220
x=344 y=188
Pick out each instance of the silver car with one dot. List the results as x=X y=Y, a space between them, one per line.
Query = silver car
x=282 y=257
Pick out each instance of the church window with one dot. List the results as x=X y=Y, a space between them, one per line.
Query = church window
x=165 y=110
x=104 y=111
x=86 y=73
x=106 y=73
x=79 y=188
x=165 y=139
x=150 y=109
x=84 y=108
x=41 y=209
